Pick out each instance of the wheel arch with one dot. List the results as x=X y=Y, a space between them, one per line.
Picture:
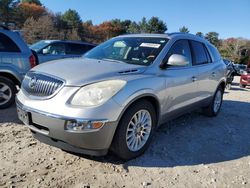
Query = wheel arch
x=11 y=77
x=149 y=97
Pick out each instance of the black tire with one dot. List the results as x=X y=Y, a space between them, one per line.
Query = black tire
x=119 y=144
x=12 y=92
x=242 y=86
x=210 y=110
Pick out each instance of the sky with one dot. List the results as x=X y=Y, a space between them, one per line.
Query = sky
x=230 y=18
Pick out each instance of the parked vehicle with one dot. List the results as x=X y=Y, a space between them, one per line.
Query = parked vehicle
x=240 y=69
x=48 y=50
x=15 y=60
x=231 y=72
x=245 y=79
x=119 y=92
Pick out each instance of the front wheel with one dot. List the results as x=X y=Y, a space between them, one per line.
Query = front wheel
x=135 y=129
x=7 y=92
x=214 y=107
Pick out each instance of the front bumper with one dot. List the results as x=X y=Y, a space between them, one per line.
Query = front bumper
x=51 y=129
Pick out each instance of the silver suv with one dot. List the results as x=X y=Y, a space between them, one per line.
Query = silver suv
x=15 y=60
x=115 y=97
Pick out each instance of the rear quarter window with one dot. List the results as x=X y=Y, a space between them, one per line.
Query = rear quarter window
x=200 y=55
x=7 y=45
x=215 y=53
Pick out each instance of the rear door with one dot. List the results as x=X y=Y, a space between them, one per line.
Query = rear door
x=77 y=50
x=206 y=69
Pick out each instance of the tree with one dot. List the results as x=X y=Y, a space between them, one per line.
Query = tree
x=213 y=37
x=200 y=34
x=7 y=11
x=133 y=28
x=28 y=10
x=37 y=2
x=155 y=25
x=184 y=29
x=72 y=18
x=235 y=49
x=32 y=29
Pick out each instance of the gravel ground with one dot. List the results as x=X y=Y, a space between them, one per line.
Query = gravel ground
x=191 y=151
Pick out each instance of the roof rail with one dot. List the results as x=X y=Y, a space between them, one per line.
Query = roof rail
x=3 y=27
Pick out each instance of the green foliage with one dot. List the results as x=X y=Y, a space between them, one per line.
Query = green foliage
x=153 y=25
x=37 y=2
x=71 y=18
x=213 y=37
x=200 y=34
x=184 y=29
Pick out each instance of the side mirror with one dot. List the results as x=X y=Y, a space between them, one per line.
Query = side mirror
x=45 y=51
x=178 y=60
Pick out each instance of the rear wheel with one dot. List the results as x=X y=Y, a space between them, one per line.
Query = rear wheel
x=7 y=92
x=135 y=129
x=242 y=85
x=214 y=107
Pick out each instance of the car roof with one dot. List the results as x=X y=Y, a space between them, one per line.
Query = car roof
x=70 y=41
x=169 y=36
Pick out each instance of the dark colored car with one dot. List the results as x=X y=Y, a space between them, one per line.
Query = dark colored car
x=231 y=72
x=48 y=50
x=239 y=69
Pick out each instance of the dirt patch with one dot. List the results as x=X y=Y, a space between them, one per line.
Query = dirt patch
x=191 y=151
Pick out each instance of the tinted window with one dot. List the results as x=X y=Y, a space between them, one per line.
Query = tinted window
x=199 y=53
x=180 y=47
x=7 y=45
x=77 y=49
x=215 y=53
x=56 y=49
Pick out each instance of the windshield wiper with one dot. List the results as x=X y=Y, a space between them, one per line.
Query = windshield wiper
x=113 y=60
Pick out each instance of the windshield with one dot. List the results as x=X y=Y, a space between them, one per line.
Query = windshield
x=40 y=45
x=133 y=50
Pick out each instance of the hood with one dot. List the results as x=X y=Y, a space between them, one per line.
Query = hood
x=80 y=71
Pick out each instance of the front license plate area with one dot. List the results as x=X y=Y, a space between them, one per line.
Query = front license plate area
x=23 y=116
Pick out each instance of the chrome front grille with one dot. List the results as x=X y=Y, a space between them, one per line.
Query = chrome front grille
x=39 y=85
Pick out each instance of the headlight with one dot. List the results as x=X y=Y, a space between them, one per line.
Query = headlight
x=97 y=93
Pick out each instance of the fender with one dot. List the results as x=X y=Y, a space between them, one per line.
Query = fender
x=139 y=95
x=12 y=72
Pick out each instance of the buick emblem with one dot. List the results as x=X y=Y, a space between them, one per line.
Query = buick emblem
x=32 y=83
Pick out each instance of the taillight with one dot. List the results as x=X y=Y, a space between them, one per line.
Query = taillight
x=32 y=59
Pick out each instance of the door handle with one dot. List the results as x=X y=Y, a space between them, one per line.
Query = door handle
x=213 y=74
x=194 y=79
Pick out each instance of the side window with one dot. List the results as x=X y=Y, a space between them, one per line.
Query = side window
x=77 y=49
x=55 y=49
x=7 y=45
x=181 y=47
x=199 y=53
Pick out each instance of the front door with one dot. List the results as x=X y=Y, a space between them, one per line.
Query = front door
x=52 y=52
x=181 y=85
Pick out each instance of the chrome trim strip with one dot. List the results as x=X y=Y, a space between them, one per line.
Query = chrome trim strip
x=43 y=87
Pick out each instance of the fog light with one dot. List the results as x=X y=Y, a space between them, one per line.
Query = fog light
x=83 y=126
